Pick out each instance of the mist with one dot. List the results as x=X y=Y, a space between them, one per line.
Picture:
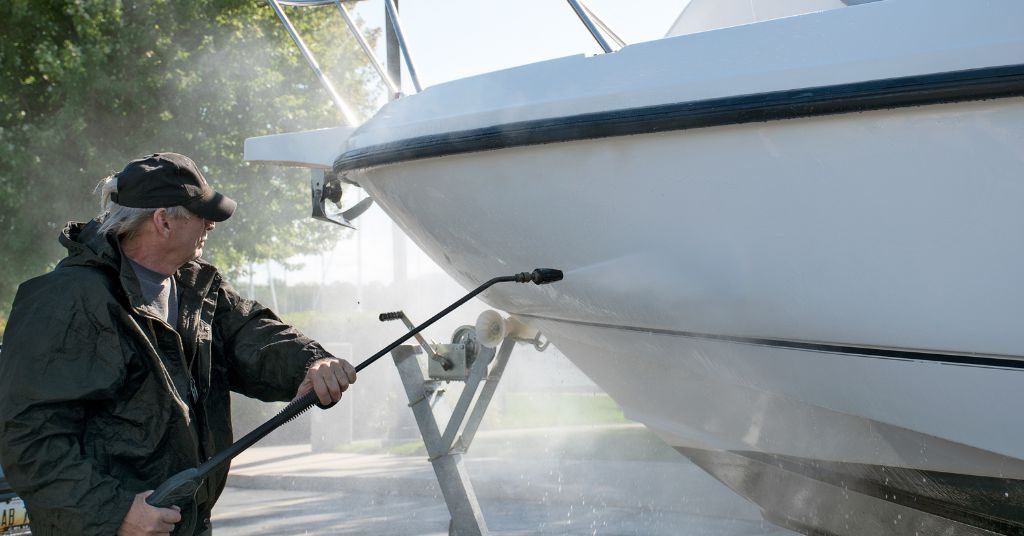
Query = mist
x=573 y=458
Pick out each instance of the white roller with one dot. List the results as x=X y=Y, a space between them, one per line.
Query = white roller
x=492 y=328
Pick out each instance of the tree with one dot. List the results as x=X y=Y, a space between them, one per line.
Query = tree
x=87 y=85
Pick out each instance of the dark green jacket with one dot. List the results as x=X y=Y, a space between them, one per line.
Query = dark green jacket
x=96 y=392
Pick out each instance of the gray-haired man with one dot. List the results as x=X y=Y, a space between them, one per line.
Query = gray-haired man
x=117 y=365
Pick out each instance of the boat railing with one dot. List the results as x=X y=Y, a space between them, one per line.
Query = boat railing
x=396 y=25
x=346 y=111
x=597 y=28
x=393 y=88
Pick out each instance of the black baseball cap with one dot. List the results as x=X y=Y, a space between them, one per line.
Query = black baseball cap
x=164 y=180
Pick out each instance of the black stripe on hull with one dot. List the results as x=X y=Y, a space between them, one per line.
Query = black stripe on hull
x=973 y=360
x=930 y=501
x=960 y=86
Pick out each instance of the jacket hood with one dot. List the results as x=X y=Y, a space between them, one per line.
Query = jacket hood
x=86 y=247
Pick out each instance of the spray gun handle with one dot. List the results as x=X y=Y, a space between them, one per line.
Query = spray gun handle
x=177 y=490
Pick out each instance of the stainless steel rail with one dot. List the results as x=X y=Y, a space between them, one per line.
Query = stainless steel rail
x=392 y=11
x=347 y=113
x=604 y=27
x=392 y=86
x=588 y=19
x=597 y=28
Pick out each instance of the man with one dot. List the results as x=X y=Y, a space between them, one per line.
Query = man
x=117 y=365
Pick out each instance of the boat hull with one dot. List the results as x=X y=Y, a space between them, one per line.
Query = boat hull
x=814 y=497
x=842 y=288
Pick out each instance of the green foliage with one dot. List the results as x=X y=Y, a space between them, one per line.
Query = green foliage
x=87 y=85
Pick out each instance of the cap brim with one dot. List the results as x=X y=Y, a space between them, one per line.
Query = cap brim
x=217 y=208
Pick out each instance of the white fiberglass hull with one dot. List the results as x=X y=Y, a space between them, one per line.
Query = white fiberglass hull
x=899 y=233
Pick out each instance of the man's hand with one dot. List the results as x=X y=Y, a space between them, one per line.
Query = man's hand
x=145 y=519
x=329 y=377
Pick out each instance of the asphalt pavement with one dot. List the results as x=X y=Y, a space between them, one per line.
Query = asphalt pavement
x=293 y=490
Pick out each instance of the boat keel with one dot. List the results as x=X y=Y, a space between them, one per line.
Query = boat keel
x=832 y=498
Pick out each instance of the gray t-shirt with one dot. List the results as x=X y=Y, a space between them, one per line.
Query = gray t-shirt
x=159 y=291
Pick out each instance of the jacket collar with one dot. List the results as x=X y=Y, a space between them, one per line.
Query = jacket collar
x=87 y=247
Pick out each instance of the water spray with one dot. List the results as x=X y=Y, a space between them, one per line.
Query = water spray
x=180 y=488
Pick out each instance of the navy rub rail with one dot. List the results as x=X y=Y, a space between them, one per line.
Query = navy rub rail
x=969 y=360
x=974 y=84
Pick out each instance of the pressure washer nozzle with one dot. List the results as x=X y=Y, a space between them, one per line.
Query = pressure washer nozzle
x=543 y=276
x=540 y=276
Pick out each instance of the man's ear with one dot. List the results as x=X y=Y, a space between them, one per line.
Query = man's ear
x=162 y=222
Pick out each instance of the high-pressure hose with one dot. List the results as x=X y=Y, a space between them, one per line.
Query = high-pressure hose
x=180 y=488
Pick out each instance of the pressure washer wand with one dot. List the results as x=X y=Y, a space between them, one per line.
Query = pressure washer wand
x=180 y=488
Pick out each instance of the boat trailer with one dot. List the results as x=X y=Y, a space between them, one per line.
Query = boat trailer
x=471 y=358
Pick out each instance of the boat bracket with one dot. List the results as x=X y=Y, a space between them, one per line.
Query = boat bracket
x=480 y=367
x=325 y=186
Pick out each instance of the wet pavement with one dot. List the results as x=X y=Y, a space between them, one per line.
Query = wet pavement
x=291 y=490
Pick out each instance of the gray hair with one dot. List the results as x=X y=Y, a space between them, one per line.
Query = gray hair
x=121 y=221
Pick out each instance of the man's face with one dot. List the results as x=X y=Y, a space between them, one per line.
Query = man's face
x=188 y=236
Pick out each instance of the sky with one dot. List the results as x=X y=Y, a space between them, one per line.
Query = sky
x=457 y=38
x=453 y=39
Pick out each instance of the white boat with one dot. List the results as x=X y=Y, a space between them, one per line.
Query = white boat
x=791 y=247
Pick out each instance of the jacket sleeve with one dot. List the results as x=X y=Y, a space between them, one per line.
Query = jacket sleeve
x=53 y=367
x=266 y=358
